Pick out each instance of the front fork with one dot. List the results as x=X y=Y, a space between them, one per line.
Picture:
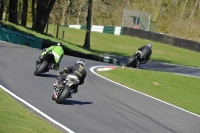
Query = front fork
x=57 y=91
x=58 y=88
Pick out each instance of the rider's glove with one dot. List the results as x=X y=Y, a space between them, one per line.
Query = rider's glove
x=139 y=53
x=60 y=73
x=66 y=70
x=44 y=50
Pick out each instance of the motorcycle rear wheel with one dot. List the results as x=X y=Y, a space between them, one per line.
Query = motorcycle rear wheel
x=41 y=68
x=63 y=95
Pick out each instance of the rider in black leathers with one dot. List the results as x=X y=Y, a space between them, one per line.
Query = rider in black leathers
x=76 y=69
x=144 y=53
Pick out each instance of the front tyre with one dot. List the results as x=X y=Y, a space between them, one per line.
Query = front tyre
x=135 y=65
x=131 y=61
x=63 y=95
x=41 y=68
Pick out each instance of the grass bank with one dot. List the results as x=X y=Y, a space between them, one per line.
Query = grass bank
x=178 y=90
x=17 y=119
x=102 y=43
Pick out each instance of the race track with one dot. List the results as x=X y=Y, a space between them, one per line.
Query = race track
x=100 y=106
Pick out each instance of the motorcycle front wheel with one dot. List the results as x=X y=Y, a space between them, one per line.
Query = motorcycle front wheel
x=131 y=61
x=63 y=95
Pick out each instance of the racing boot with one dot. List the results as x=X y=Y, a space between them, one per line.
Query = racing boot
x=39 y=60
x=54 y=66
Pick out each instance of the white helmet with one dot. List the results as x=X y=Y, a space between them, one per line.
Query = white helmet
x=81 y=61
x=59 y=44
x=149 y=45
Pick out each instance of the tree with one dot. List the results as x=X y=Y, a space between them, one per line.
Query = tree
x=33 y=13
x=194 y=9
x=13 y=11
x=2 y=9
x=71 y=11
x=43 y=10
x=186 y=1
x=65 y=5
x=87 y=36
x=24 y=12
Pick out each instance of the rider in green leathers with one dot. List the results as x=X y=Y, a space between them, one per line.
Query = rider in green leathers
x=58 y=53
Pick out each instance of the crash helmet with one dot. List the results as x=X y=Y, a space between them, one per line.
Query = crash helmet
x=149 y=45
x=59 y=44
x=81 y=62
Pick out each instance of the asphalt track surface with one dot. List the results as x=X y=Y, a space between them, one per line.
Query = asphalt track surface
x=100 y=106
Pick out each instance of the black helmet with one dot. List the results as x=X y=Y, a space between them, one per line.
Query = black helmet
x=81 y=61
x=149 y=45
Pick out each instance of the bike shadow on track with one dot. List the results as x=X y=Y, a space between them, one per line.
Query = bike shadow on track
x=73 y=102
x=48 y=75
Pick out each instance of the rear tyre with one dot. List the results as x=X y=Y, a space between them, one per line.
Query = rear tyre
x=41 y=68
x=131 y=61
x=63 y=95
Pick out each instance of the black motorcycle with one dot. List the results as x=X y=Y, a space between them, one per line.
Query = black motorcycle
x=65 y=89
x=47 y=60
x=133 y=61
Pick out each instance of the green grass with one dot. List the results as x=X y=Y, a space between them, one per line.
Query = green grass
x=14 y=118
x=181 y=91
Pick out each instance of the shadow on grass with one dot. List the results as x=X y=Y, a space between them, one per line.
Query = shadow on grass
x=163 y=60
x=100 y=52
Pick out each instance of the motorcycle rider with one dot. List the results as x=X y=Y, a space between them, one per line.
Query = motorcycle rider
x=144 y=53
x=58 y=53
x=77 y=69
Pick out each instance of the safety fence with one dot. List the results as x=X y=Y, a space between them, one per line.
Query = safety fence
x=18 y=38
x=137 y=20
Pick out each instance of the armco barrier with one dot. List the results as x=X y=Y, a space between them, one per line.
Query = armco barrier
x=111 y=60
x=18 y=38
x=116 y=30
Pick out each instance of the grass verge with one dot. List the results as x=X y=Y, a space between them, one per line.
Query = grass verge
x=181 y=91
x=17 y=119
